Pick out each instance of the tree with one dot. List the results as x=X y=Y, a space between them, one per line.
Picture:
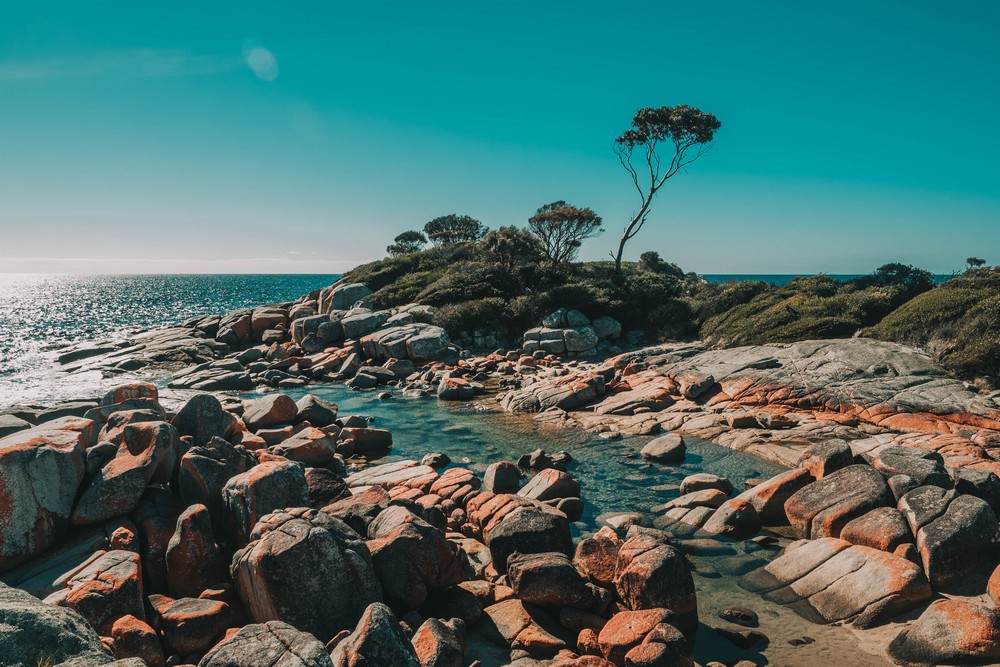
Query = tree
x=686 y=130
x=511 y=248
x=651 y=261
x=562 y=229
x=975 y=262
x=452 y=228
x=406 y=243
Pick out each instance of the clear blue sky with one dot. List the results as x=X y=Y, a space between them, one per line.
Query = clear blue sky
x=301 y=137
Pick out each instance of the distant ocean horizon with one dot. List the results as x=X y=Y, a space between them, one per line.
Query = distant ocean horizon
x=785 y=278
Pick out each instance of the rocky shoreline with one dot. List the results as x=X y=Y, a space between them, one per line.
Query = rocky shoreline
x=195 y=528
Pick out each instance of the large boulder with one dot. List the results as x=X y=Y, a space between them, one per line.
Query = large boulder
x=316 y=411
x=627 y=630
x=109 y=587
x=669 y=448
x=33 y=633
x=440 y=643
x=205 y=470
x=551 y=484
x=269 y=410
x=769 y=497
x=194 y=561
x=190 y=625
x=377 y=640
x=156 y=520
x=341 y=297
x=270 y=644
x=949 y=632
x=829 y=580
x=528 y=530
x=823 y=508
x=270 y=486
x=652 y=574
x=203 y=418
x=296 y=568
x=882 y=528
x=412 y=558
x=597 y=556
x=548 y=579
x=147 y=453
x=40 y=472
x=955 y=533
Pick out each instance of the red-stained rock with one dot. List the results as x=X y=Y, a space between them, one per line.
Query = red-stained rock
x=511 y=622
x=270 y=644
x=190 y=625
x=627 y=629
x=993 y=585
x=377 y=640
x=147 y=453
x=597 y=556
x=550 y=484
x=704 y=480
x=548 y=579
x=412 y=559
x=134 y=638
x=883 y=528
x=367 y=440
x=312 y=447
x=949 y=632
x=205 y=469
x=652 y=574
x=296 y=568
x=40 y=472
x=261 y=490
x=156 y=519
x=502 y=477
x=131 y=392
x=826 y=457
x=194 y=562
x=269 y=410
x=736 y=519
x=203 y=418
x=440 y=643
x=107 y=588
x=823 y=508
x=769 y=497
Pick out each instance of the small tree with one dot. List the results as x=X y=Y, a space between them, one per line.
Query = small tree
x=453 y=228
x=407 y=242
x=562 y=229
x=975 y=262
x=685 y=129
x=511 y=248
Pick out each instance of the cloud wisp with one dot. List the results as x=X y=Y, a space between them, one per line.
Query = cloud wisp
x=130 y=63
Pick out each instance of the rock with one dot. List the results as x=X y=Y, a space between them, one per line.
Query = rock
x=316 y=411
x=57 y=635
x=668 y=448
x=955 y=533
x=627 y=629
x=134 y=638
x=377 y=640
x=548 y=579
x=993 y=585
x=40 y=472
x=580 y=339
x=597 y=556
x=271 y=644
x=769 y=497
x=190 y=625
x=528 y=530
x=10 y=424
x=325 y=487
x=204 y=471
x=412 y=559
x=826 y=457
x=268 y=487
x=736 y=519
x=341 y=297
x=550 y=484
x=440 y=644
x=607 y=328
x=203 y=418
x=107 y=588
x=311 y=447
x=368 y=441
x=652 y=574
x=269 y=410
x=703 y=480
x=156 y=520
x=147 y=453
x=296 y=568
x=922 y=471
x=435 y=460
x=829 y=580
x=194 y=562
x=949 y=632
x=740 y=616
x=883 y=528
x=519 y=627
x=455 y=389
x=824 y=507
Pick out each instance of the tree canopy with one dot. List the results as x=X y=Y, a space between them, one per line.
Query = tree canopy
x=405 y=243
x=454 y=228
x=686 y=132
x=562 y=228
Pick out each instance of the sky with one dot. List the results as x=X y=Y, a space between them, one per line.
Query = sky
x=253 y=137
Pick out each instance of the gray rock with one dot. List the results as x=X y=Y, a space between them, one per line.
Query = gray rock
x=377 y=640
x=668 y=448
x=502 y=477
x=949 y=632
x=607 y=328
x=11 y=424
x=580 y=339
x=342 y=297
x=270 y=644
x=574 y=319
x=528 y=530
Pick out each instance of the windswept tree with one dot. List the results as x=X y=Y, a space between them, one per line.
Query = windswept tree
x=406 y=243
x=452 y=228
x=665 y=140
x=511 y=248
x=975 y=262
x=562 y=229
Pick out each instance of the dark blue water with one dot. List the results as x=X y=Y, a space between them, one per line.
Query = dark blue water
x=781 y=279
x=39 y=313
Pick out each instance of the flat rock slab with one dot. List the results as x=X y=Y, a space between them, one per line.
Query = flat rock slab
x=830 y=580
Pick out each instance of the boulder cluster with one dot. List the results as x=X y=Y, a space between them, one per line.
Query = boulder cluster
x=571 y=332
x=251 y=533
